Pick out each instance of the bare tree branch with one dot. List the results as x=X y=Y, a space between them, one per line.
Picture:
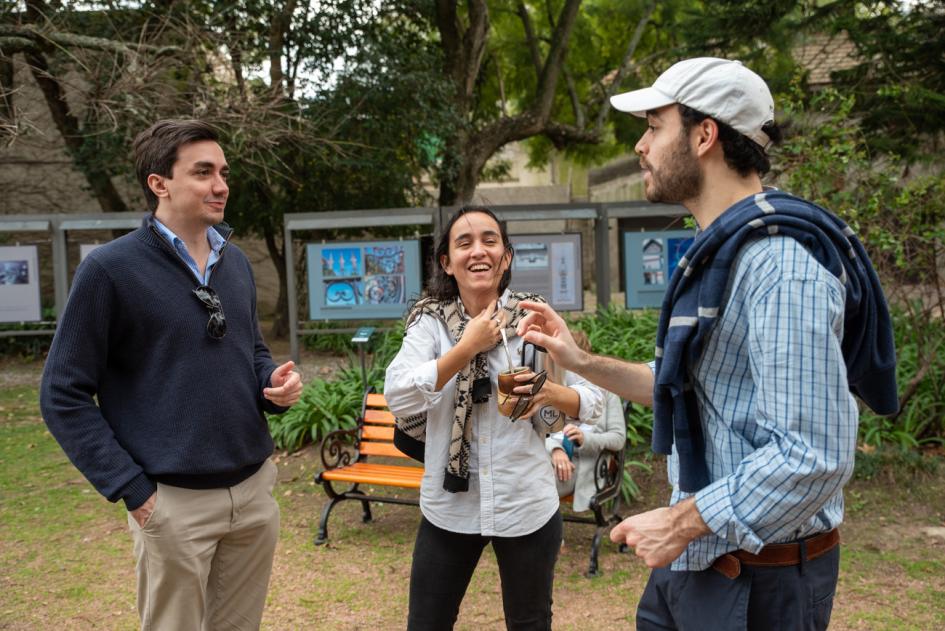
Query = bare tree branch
x=563 y=135
x=503 y=106
x=534 y=120
x=552 y=66
x=474 y=44
x=68 y=126
x=45 y=38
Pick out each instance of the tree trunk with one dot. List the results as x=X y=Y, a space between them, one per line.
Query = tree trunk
x=68 y=125
x=7 y=110
x=467 y=153
x=278 y=29
x=280 y=319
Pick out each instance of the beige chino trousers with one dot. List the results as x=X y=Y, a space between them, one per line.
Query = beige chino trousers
x=204 y=556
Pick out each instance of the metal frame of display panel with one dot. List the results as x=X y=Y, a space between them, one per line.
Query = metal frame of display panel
x=569 y=236
x=335 y=220
x=621 y=210
x=57 y=225
x=599 y=212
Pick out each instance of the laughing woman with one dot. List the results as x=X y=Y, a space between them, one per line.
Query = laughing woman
x=487 y=478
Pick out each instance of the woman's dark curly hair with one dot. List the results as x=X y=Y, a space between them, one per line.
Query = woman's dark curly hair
x=441 y=285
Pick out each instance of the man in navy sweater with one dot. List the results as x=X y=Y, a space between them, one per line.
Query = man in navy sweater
x=156 y=384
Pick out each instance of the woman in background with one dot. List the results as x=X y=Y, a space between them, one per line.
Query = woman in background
x=574 y=471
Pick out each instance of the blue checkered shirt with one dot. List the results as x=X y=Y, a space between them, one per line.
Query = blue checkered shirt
x=779 y=420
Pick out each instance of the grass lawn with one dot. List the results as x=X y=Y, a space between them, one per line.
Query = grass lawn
x=66 y=562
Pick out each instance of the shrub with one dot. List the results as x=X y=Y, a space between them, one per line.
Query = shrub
x=28 y=347
x=898 y=210
x=326 y=406
x=334 y=343
x=921 y=379
x=630 y=335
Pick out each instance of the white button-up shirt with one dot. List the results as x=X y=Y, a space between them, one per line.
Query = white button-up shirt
x=512 y=488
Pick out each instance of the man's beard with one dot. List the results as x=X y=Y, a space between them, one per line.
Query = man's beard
x=679 y=179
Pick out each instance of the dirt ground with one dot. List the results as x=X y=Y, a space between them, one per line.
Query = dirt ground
x=66 y=563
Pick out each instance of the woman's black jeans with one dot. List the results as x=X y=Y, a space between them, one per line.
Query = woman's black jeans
x=444 y=561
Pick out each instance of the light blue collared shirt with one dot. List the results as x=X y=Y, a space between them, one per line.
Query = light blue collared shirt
x=216 y=247
x=779 y=421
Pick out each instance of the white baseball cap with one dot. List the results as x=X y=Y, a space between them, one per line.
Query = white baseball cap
x=723 y=89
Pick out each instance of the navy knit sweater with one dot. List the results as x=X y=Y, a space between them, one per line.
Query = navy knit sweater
x=173 y=404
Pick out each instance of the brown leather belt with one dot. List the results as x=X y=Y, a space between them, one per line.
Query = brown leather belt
x=777 y=554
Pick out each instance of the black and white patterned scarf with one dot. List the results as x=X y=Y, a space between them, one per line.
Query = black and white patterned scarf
x=410 y=431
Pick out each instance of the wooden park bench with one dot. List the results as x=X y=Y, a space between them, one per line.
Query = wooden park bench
x=345 y=455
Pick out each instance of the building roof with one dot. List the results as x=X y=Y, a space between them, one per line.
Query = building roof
x=821 y=54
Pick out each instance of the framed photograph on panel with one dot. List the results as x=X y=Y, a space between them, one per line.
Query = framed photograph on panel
x=19 y=284
x=650 y=258
x=362 y=280
x=550 y=265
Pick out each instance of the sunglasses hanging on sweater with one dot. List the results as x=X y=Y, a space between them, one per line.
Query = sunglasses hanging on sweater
x=216 y=325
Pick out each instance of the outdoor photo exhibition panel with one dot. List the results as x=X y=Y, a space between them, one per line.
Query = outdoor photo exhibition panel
x=350 y=280
x=550 y=265
x=650 y=258
x=19 y=284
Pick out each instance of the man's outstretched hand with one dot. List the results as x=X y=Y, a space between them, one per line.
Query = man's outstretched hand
x=285 y=386
x=544 y=327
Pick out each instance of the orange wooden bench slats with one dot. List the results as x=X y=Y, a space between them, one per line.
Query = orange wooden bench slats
x=376 y=400
x=376 y=467
x=375 y=432
x=382 y=449
x=378 y=417
x=380 y=470
x=384 y=475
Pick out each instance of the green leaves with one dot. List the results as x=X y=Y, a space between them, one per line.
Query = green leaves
x=898 y=211
x=619 y=332
x=325 y=406
x=329 y=405
x=920 y=370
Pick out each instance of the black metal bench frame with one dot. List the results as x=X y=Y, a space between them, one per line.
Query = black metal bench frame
x=340 y=448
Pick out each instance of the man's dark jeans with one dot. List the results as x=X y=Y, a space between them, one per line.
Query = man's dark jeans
x=762 y=598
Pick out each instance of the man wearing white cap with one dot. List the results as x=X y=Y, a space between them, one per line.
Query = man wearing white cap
x=771 y=323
